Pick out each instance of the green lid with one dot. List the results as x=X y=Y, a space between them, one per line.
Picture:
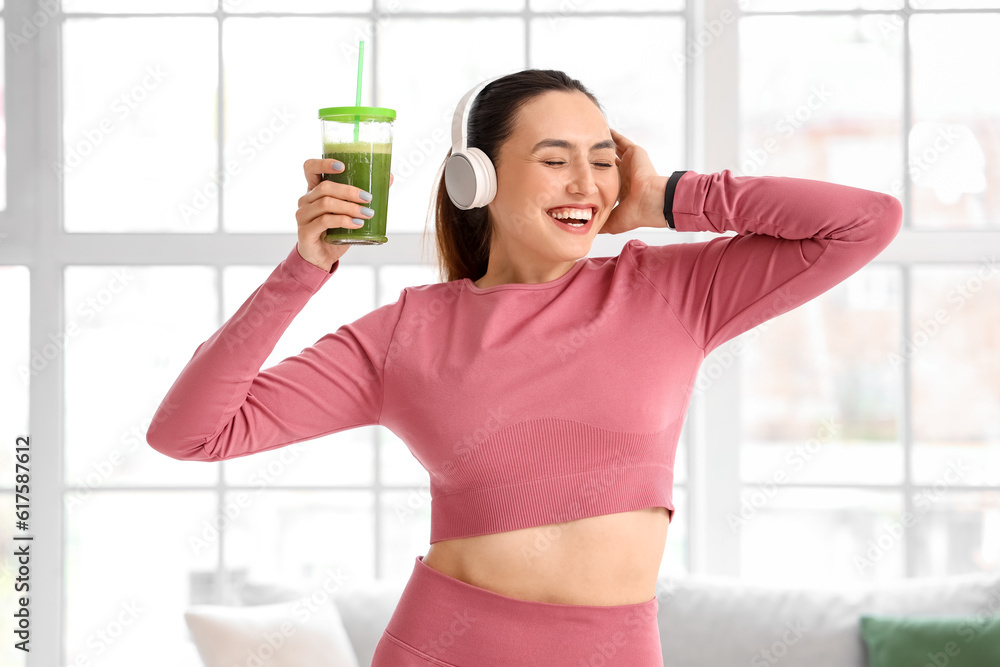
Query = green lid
x=357 y=113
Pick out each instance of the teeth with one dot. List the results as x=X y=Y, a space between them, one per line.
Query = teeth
x=575 y=213
x=576 y=224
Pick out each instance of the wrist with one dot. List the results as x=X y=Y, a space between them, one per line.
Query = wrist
x=305 y=271
x=653 y=201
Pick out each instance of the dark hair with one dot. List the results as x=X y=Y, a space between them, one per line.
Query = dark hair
x=463 y=237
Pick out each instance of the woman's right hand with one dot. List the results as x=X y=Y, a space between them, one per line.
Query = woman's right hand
x=325 y=205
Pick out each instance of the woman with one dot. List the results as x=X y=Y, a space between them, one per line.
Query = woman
x=543 y=390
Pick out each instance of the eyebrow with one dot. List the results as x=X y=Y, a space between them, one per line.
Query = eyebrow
x=562 y=143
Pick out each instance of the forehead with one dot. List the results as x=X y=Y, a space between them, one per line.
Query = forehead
x=559 y=115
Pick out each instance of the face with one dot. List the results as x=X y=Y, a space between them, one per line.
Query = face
x=558 y=161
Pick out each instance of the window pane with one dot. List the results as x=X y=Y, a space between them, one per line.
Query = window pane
x=291 y=6
x=398 y=465
x=833 y=111
x=955 y=532
x=138 y=6
x=406 y=529
x=680 y=458
x=954 y=152
x=295 y=536
x=562 y=8
x=9 y=656
x=130 y=331
x=675 y=552
x=340 y=458
x=15 y=375
x=842 y=536
x=135 y=559
x=650 y=115
x=272 y=102
x=139 y=138
x=811 y=5
x=820 y=397
x=425 y=104
x=955 y=356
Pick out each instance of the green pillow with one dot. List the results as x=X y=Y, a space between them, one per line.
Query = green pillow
x=932 y=641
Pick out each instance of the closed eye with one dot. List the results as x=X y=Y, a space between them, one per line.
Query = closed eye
x=599 y=164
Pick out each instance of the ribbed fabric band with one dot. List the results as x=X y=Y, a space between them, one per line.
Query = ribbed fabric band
x=543 y=471
x=444 y=621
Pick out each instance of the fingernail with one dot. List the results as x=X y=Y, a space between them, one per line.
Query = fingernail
x=357 y=221
x=367 y=196
x=367 y=211
x=337 y=164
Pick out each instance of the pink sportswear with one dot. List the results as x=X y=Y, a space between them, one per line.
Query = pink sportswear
x=531 y=404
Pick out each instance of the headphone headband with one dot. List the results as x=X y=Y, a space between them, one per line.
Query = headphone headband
x=459 y=124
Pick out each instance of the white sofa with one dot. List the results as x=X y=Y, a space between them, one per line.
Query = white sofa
x=704 y=620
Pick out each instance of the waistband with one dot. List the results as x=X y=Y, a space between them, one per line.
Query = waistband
x=461 y=624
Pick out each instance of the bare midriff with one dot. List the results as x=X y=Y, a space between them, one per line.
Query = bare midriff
x=609 y=559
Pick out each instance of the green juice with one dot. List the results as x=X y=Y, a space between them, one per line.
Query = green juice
x=366 y=166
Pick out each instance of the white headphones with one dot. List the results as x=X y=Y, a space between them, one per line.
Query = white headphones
x=469 y=175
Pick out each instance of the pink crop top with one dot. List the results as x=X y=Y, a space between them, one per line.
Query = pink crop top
x=531 y=404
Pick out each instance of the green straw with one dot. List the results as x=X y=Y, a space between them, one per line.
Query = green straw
x=357 y=95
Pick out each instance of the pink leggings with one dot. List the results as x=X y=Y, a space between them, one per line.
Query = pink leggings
x=444 y=621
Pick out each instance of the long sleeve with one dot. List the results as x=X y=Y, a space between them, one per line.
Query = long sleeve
x=223 y=406
x=795 y=239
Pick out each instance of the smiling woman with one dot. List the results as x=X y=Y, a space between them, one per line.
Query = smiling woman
x=552 y=150
x=548 y=516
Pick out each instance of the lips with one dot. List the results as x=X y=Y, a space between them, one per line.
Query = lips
x=592 y=207
x=573 y=226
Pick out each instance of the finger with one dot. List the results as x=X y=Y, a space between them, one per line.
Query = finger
x=318 y=226
x=314 y=169
x=622 y=142
x=330 y=205
x=350 y=193
x=390 y=178
x=619 y=137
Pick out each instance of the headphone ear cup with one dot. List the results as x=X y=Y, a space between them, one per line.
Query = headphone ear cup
x=460 y=180
x=486 y=177
x=471 y=179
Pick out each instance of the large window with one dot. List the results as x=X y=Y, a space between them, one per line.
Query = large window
x=156 y=151
x=172 y=159
x=870 y=417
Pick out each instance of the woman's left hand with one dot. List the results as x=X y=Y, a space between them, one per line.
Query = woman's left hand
x=640 y=194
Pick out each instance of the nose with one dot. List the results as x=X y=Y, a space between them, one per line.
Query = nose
x=582 y=179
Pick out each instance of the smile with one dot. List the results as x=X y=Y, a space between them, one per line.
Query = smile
x=572 y=219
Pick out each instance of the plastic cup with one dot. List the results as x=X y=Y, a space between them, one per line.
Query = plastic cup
x=366 y=164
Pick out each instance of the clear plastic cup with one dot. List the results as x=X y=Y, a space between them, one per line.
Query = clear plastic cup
x=366 y=157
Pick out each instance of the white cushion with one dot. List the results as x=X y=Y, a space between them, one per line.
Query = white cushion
x=365 y=606
x=708 y=620
x=288 y=634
